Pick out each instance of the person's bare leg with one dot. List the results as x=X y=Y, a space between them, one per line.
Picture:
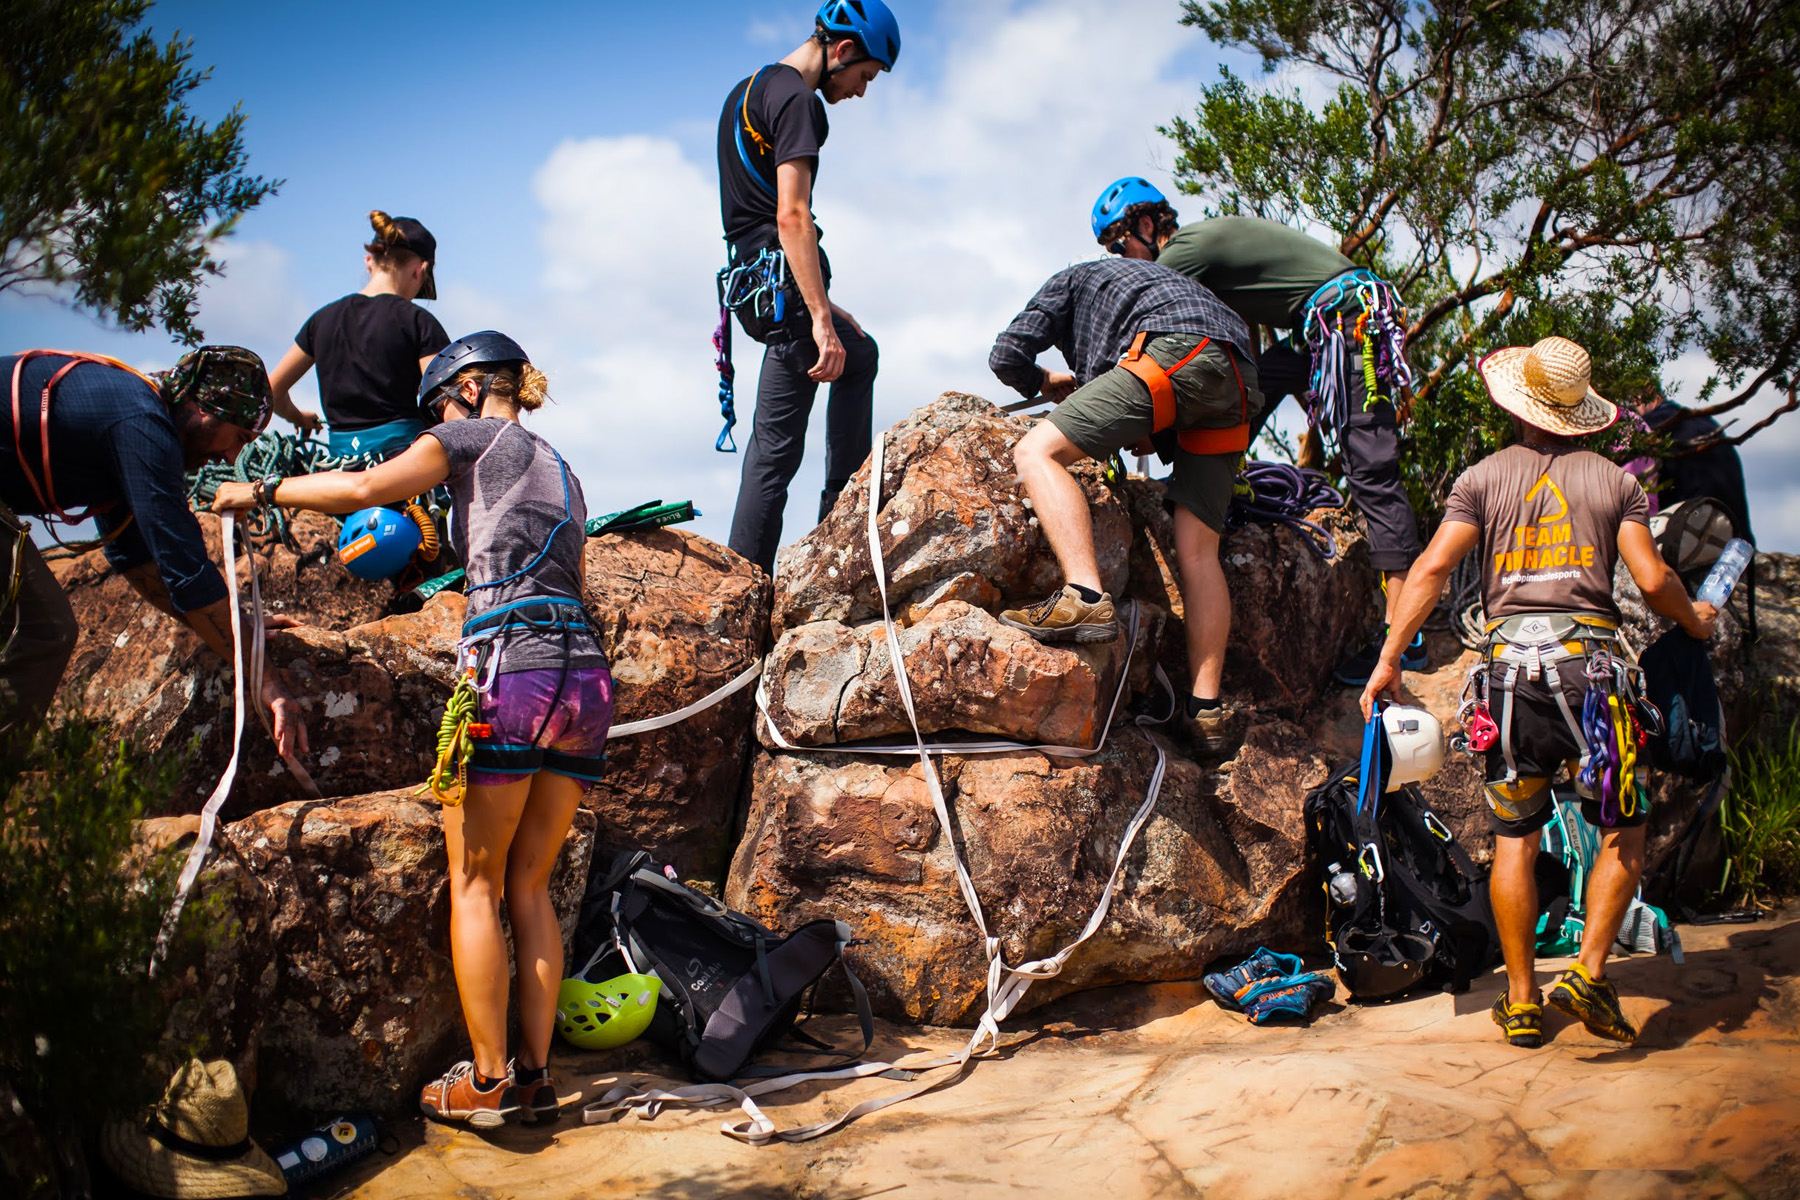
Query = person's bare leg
x=1207 y=599
x=1513 y=889
x=1042 y=459
x=1612 y=882
x=478 y=834
x=1396 y=583
x=537 y=938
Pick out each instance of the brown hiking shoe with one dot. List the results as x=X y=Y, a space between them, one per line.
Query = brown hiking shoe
x=1215 y=731
x=1065 y=617
x=454 y=1098
x=537 y=1099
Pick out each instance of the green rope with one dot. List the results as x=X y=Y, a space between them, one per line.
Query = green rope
x=449 y=780
x=273 y=453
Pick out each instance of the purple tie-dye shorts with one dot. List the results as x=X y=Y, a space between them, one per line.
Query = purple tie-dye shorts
x=545 y=720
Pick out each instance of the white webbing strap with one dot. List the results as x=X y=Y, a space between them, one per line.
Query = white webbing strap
x=1006 y=986
x=258 y=665
x=209 y=813
x=681 y=714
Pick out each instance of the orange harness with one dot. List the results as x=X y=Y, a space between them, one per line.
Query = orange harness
x=1232 y=440
x=46 y=490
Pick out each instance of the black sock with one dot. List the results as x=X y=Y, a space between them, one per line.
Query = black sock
x=530 y=1074
x=1196 y=706
x=1088 y=595
x=484 y=1084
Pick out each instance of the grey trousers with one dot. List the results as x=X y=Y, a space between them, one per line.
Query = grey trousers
x=784 y=400
x=37 y=637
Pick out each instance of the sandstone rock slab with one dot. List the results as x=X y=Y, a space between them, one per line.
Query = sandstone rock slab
x=1218 y=869
x=953 y=515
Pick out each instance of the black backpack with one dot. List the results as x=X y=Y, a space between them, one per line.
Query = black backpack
x=1405 y=905
x=731 y=986
x=1678 y=679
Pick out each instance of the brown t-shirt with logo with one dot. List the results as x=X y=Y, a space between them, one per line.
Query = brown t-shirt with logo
x=1549 y=522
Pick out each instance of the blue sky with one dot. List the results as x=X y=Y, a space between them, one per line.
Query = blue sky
x=563 y=156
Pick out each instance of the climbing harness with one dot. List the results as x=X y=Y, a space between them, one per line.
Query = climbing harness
x=1006 y=985
x=1270 y=493
x=1232 y=440
x=45 y=488
x=1373 y=344
x=1616 y=718
x=753 y=291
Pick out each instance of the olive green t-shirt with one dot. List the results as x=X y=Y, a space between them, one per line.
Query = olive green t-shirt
x=1549 y=521
x=1262 y=270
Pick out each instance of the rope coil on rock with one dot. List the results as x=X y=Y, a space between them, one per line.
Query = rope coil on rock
x=1280 y=494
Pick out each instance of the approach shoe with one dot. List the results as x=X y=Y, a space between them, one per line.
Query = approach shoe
x=1523 y=1024
x=1229 y=987
x=1593 y=1002
x=1065 y=617
x=537 y=1098
x=1287 y=999
x=455 y=1098
x=1215 y=731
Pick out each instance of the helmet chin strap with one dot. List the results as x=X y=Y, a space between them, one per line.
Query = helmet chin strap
x=830 y=71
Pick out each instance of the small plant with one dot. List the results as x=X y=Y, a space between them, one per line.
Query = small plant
x=80 y=907
x=1761 y=818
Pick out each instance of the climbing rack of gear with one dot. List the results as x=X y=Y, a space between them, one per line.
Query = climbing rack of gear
x=753 y=288
x=1372 y=343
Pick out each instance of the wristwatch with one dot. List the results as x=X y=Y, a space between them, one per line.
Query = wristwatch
x=263 y=490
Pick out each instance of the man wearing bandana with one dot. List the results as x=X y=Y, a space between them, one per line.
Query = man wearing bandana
x=82 y=435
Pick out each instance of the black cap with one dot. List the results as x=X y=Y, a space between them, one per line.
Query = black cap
x=416 y=238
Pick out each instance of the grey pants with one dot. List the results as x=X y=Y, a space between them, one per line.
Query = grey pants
x=37 y=636
x=784 y=400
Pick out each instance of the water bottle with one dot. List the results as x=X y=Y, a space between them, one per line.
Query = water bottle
x=333 y=1145
x=1342 y=885
x=1724 y=576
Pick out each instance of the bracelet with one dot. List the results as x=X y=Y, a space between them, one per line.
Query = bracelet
x=263 y=490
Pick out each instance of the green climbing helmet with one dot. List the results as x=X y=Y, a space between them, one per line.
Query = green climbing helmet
x=606 y=1015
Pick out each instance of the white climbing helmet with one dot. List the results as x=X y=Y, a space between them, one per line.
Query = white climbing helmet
x=1415 y=744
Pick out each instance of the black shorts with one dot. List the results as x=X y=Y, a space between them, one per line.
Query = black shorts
x=1542 y=744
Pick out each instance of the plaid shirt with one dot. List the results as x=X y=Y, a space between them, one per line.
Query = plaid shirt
x=1093 y=310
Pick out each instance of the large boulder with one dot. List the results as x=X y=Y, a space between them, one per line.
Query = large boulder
x=955 y=524
x=1218 y=869
x=829 y=682
x=363 y=1006
x=680 y=617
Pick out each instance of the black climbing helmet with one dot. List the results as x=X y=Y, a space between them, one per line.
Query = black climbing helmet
x=476 y=350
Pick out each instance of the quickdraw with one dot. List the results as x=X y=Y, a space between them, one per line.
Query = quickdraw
x=1379 y=332
x=1609 y=718
x=754 y=287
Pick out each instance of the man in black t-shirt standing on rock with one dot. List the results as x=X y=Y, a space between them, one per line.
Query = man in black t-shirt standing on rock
x=770 y=132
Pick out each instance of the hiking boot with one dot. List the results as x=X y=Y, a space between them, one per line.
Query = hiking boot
x=1215 y=731
x=537 y=1098
x=1065 y=617
x=1593 y=1002
x=1523 y=1024
x=454 y=1097
x=1355 y=670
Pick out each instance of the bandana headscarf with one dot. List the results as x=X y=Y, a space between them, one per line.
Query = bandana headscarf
x=229 y=382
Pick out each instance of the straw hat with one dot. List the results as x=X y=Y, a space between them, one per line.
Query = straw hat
x=1546 y=385
x=195 y=1144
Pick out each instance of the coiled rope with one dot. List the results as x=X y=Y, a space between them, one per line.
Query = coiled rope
x=1281 y=494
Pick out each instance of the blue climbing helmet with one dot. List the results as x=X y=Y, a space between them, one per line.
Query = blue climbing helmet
x=1120 y=195
x=870 y=22
x=377 y=543
x=475 y=350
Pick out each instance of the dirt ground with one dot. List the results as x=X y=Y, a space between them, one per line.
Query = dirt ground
x=1157 y=1092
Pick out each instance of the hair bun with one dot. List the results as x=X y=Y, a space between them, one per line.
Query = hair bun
x=386 y=231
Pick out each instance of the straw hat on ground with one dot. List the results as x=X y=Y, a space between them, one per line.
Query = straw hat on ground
x=1546 y=385
x=195 y=1144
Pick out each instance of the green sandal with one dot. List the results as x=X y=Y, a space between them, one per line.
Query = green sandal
x=1523 y=1024
x=1593 y=1002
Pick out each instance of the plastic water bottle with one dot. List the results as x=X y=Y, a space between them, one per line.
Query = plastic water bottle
x=1724 y=576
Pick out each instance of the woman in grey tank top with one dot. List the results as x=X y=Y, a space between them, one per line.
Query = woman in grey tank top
x=545 y=697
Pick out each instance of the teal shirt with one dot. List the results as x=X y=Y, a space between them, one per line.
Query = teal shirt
x=1264 y=271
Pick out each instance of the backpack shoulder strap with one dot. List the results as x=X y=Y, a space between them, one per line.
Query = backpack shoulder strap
x=761 y=141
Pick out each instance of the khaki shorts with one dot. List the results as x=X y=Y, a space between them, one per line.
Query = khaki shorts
x=1113 y=411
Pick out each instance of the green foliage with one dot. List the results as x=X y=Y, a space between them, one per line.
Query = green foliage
x=1621 y=172
x=111 y=187
x=1761 y=817
x=80 y=908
